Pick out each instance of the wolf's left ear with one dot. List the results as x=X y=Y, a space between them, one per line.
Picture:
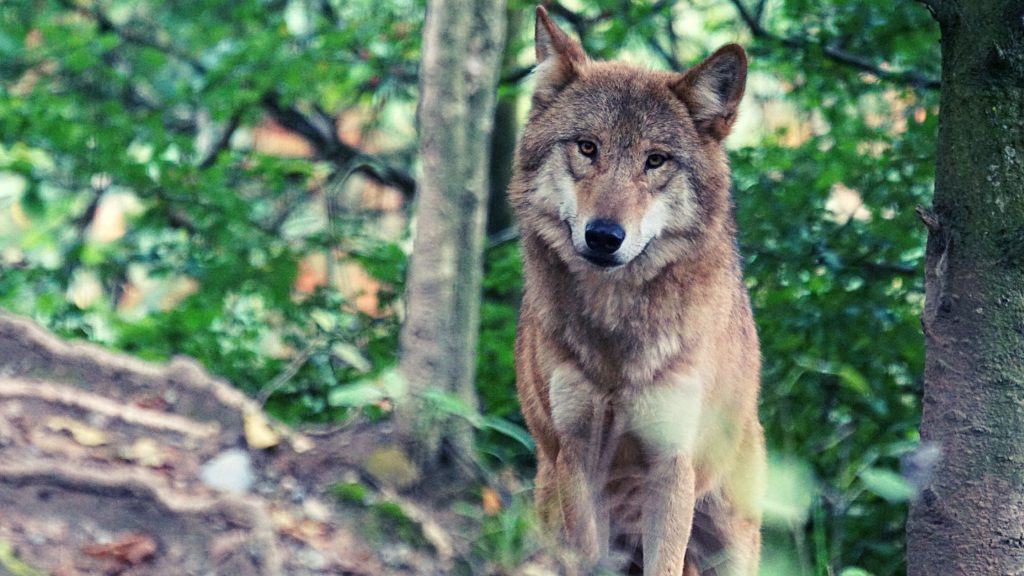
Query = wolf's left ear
x=712 y=90
x=558 y=58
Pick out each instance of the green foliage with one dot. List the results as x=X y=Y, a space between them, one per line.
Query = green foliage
x=102 y=101
x=381 y=520
x=506 y=539
x=496 y=377
x=350 y=492
x=11 y=564
x=838 y=298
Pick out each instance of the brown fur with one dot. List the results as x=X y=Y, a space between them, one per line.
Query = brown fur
x=639 y=380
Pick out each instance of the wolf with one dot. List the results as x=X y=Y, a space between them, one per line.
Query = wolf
x=637 y=359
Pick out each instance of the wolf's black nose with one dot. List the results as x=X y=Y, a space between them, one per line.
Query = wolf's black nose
x=604 y=236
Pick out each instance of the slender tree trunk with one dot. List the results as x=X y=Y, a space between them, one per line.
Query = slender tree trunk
x=503 y=147
x=462 y=44
x=969 y=517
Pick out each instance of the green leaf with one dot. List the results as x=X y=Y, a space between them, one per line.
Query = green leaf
x=791 y=489
x=513 y=431
x=358 y=395
x=854 y=380
x=452 y=405
x=887 y=484
x=352 y=356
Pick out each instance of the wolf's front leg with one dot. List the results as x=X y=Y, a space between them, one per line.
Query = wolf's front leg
x=667 y=419
x=668 y=515
x=579 y=507
x=584 y=524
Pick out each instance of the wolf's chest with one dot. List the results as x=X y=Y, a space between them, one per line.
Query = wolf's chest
x=664 y=416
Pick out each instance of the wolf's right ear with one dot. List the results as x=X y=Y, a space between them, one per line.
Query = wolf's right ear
x=712 y=90
x=558 y=59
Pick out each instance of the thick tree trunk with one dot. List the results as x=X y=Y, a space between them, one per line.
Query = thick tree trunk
x=969 y=518
x=462 y=44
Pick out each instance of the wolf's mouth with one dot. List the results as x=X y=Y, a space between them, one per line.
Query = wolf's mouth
x=601 y=261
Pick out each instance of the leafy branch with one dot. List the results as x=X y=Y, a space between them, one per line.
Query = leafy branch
x=317 y=128
x=910 y=78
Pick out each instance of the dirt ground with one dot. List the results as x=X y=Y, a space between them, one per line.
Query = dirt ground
x=111 y=465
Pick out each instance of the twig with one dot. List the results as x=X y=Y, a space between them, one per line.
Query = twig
x=514 y=76
x=288 y=373
x=578 y=22
x=673 y=42
x=759 y=11
x=935 y=7
x=929 y=218
x=502 y=237
x=222 y=143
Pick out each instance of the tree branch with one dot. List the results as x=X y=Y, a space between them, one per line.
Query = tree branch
x=836 y=54
x=107 y=25
x=671 y=53
x=222 y=143
x=578 y=22
x=759 y=11
x=673 y=42
x=319 y=133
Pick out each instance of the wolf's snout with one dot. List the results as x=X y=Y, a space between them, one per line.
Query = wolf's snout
x=604 y=236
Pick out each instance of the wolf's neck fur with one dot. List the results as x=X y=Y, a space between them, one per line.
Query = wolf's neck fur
x=600 y=319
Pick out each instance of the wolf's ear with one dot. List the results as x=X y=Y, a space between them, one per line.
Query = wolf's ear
x=558 y=58
x=712 y=90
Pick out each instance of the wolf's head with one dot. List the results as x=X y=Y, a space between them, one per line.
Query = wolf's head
x=619 y=164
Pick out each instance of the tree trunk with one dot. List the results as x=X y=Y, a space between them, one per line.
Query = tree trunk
x=462 y=44
x=506 y=119
x=969 y=517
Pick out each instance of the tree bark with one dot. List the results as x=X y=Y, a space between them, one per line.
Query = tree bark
x=506 y=119
x=969 y=517
x=462 y=44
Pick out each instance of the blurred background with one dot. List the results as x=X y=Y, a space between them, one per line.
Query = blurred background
x=236 y=181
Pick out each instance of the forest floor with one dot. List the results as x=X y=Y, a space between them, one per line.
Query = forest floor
x=112 y=465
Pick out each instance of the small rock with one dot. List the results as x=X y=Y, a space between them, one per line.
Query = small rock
x=395 y=555
x=312 y=559
x=230 y=471
x=535 y=569
x=316 y=510
x=391 y=466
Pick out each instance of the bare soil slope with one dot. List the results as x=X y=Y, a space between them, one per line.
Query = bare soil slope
x=111 y=465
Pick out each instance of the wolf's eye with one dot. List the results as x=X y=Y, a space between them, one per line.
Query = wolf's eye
x=655 y=160
x=587 y=148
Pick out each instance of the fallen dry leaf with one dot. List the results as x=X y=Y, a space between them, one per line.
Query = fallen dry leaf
x=258 y=433
x=146 y=451
x=130 y=550
x=491 y=501
x=82 y=433
x=303 y=530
